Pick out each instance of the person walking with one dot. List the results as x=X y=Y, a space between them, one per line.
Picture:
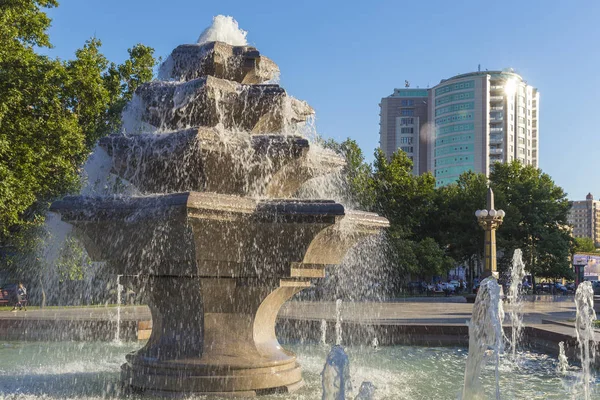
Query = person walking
x=21 y=298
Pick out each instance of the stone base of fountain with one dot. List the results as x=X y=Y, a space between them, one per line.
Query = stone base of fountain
x=219 y=269
x=206 y=341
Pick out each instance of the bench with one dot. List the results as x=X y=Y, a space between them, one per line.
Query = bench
x=9 y=298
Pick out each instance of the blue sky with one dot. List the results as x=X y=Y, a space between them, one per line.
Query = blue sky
x=344 y=56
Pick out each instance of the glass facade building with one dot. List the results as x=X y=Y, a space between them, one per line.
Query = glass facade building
x=475 y=120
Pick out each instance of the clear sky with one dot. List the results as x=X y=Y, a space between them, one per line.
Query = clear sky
x=344 y=56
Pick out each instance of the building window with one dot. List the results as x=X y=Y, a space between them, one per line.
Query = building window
x=407 y=103
x=407 y=111
x=407 y=130
x=407 y=149
x=407 y=121
x=406 y=140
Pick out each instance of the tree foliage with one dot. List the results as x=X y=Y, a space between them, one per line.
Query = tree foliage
x=536 y=219
x=584 y=245
x=52 y=111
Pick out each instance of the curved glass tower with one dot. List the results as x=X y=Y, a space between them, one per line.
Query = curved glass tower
x=467 y=122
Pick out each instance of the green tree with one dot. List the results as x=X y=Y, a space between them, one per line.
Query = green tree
x=357 y=174
x=431 y=259
x=452 y=221
x=584 y=245
x=51 y=111
x=536 y=219
x=400 y=196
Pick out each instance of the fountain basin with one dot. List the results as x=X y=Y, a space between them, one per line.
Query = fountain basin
x=91 y=370
x=218 y=270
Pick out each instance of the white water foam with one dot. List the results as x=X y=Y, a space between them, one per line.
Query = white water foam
x=563 y=362
x=584 y=327
x=485 y=338
x=323 y=332
x=224 y=29
x=517 y=273
x=338 y=322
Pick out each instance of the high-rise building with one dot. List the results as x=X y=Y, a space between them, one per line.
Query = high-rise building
x=404 y=125
x=472 y=121
x=584 y=216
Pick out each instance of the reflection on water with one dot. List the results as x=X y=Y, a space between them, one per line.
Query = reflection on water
x=91 y=370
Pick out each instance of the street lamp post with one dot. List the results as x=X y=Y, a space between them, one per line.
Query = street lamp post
x=490 y=219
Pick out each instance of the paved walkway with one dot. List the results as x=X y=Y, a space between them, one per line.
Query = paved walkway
x=407 y=312
x=398 y=312
x=128 y=313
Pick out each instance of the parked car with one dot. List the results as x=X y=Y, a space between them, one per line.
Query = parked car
x=448 y=287
x=560 y=288
x=570 y=287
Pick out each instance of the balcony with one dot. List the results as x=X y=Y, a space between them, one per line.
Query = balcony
x=495 y=99
x=496 y=87
x=496 y=119
x=496 y=151
x=496 y=130
x=496 y=139
x=497 y=108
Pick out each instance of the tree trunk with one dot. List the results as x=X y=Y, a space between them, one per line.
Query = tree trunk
x=43 y=303
x=471 y=272
x=534 y=291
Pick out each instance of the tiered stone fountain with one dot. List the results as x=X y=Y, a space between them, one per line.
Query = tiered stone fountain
x=214 y=229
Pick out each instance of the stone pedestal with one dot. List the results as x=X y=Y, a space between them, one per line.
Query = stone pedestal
x=215 y=335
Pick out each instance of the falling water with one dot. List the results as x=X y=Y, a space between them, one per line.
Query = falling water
x=375 y=343
x=584 y=327
x=338 y=322
x=118 y=327
x=335 y=376
x=517 y=273
x=563 y=362
x=366 y=391
x=323 y=332
x=485 y=338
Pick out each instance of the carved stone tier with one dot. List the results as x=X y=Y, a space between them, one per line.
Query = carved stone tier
x=206 y=159
x=211 y=101
x=220 y=269
x=243 y=64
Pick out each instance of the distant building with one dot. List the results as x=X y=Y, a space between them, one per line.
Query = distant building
x=584 y=216
x=404 y=125
x=472 y=121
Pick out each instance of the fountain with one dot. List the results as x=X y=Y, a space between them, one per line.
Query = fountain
x=517 y=273
x=485 y=338
x=215 y=229
x=336 y=375
x=584 y=327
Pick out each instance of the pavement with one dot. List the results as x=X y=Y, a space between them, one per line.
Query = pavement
x=405 y=311
x=419 y=312
x=93 y=313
